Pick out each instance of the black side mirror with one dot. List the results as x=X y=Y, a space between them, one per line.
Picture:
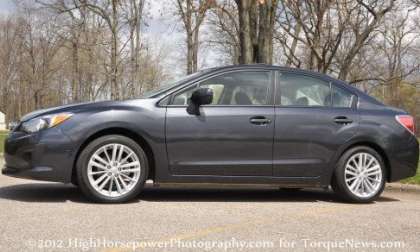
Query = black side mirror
x=201 y=96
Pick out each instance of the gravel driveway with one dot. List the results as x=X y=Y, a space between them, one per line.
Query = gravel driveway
x=55 y=217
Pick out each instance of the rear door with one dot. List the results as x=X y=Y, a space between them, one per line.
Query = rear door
x=231 y=137
x=314 y=117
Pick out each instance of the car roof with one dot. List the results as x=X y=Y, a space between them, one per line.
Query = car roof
x=274 y=67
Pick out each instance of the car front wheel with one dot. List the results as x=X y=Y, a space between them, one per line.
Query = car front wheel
x=360 y=175
x=112 y=169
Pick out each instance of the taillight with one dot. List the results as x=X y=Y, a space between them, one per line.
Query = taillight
x=407 y=121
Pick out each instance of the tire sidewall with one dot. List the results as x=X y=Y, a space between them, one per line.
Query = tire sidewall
x=90 y=149
x=339 y=175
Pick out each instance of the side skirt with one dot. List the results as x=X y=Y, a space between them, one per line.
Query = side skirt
x=200 y=180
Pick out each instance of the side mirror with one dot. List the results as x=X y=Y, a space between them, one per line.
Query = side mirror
x=201 y=96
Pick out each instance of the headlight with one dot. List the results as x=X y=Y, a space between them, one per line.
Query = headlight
x=45 y=122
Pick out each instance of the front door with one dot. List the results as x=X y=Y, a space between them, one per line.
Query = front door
x=233 y=136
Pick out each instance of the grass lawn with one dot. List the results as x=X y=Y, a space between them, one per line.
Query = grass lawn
x=3 y=135
x=413 y=180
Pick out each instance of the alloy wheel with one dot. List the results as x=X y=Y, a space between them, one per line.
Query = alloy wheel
x=114 y=170
x=363 y=175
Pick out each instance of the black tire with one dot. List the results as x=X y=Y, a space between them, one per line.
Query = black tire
x=89 y=150
x=339 y=185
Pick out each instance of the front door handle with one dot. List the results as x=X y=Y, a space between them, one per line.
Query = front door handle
x=342 y=120
x=259 y=120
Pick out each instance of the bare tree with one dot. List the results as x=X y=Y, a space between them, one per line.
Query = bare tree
x=134 y=20
x=256 y=25
x=74 y=26
x=109 y=11
x=224 y=25
x=333 y=32
x=363 y=25
x=57 y=52
x=10 y=59
x=61 y=51
x=192 y=14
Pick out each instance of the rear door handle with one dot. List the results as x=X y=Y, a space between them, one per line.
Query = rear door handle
x=259 y=120
x=342 y=120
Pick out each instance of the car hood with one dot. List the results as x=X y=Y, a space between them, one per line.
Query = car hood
x=65 y=108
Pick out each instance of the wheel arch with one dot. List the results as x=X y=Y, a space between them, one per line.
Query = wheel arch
x=369 y=144
x=117 y=131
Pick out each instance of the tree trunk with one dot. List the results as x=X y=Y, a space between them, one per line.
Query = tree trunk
x=75 y=65
x=136 y=14
x=195 y=50
x=245 y=39
x=190 y=38
x=293 y=47
x=190 y=53
x=114 y=48
x=139 y=16
x=265 y=34
x=256 y=27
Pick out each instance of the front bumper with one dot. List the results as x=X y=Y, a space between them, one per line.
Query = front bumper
x=46 y=155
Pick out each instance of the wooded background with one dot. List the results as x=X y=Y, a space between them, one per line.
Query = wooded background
x=55 y=52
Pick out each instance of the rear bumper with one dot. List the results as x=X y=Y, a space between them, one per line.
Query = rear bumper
x=46 y=155
x=403 y=160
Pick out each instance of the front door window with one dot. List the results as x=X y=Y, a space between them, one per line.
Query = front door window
x=236 y=88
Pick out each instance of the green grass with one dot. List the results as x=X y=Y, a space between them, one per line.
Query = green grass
x=413 y=180
x=3 y=135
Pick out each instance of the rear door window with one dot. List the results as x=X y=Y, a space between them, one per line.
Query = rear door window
x=301 y=90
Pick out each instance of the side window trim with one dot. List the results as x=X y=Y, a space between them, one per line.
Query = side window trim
x=197 y=83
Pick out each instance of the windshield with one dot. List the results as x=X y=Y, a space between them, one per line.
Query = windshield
x=170 y=85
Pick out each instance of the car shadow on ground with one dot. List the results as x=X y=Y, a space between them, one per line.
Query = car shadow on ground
x=54 y=192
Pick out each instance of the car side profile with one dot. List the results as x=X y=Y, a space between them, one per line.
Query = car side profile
x=247 y=124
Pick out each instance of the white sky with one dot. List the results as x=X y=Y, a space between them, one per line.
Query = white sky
x=6 y=6
x=166 y=28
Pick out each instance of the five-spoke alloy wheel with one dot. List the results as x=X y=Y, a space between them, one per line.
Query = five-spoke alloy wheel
x=112 y=169
x=360 y=175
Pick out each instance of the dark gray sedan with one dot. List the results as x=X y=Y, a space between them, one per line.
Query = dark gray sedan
x=251 y=124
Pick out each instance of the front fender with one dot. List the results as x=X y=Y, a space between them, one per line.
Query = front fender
x=148 y=125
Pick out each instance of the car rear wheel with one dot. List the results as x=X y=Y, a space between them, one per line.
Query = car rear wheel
x=112 y=169
x=360 y=175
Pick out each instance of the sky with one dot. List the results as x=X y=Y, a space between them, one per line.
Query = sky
x=6 y=6
x=164 y=26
